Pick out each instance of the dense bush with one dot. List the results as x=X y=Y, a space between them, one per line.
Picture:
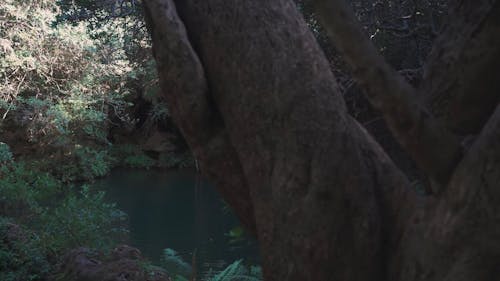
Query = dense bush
x=24 y=190
x=131 y=156
x=82 y=219
x=236 y=271
x=21 y=257
x=56 y=217
x=57 y=82
x=65 y=89
x=61 y=89
x=64 y=216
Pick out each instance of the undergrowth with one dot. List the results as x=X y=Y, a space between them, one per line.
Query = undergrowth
x=183 y=271
x=63 y=92
x=42 y=217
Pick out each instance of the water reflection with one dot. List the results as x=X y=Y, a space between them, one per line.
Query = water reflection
x=177 y=210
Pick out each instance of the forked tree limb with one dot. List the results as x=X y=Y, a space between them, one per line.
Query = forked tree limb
x=462 y=230
x=315 y=177
x=435 y=150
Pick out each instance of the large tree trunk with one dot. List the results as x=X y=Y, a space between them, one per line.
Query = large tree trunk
x=254 y=96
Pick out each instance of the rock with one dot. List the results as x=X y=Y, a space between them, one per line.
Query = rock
x=125 y=251
x=125 y=263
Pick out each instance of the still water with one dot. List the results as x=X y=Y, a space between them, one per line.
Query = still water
x=177 y=210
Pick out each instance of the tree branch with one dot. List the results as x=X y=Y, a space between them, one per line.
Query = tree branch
x=463 y=225
x=480 y=167
x=461 y=76
x=184 y=85
x=435 y=150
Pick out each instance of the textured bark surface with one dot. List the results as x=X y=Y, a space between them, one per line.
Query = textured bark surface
x=434 y=149
x=185 y=87
x=458 y=236
x=461 y=79
x=255 y=98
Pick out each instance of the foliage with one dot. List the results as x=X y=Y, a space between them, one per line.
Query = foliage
x=99 y=13
x=21 y=258
x=83 y=219
x=66 y=84
x=24 y=189
x=236 y=235
x=174 y=263
x=65 y=88
x=93 y=163
x=5 y=153
x=139 y=161
x=237 y=271
x=59 y=217
x=180 y=278
x=131 y=156
x=61 y=88
x=119 y=25
x=176 y=160
x=159 y=112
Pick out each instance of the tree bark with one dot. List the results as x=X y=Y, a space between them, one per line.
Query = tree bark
x=285 y=118
x=461 y=76
x=254 y=96
x=185 y=87
x=431 y=145
x=457 y=238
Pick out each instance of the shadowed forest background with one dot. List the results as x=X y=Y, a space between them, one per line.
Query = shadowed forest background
x=353 y=140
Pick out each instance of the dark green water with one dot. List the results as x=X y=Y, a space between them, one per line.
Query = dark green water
x=176 y=210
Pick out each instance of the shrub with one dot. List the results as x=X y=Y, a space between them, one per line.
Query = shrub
x=176 y=160
x=131 y=156
x=83 y=219
x=93 y=163
x=174 y=264
x=24 y=190
x=21 y=258
x=60 y=87
x=237 y=271
x=5 y=154
x=62 y=217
